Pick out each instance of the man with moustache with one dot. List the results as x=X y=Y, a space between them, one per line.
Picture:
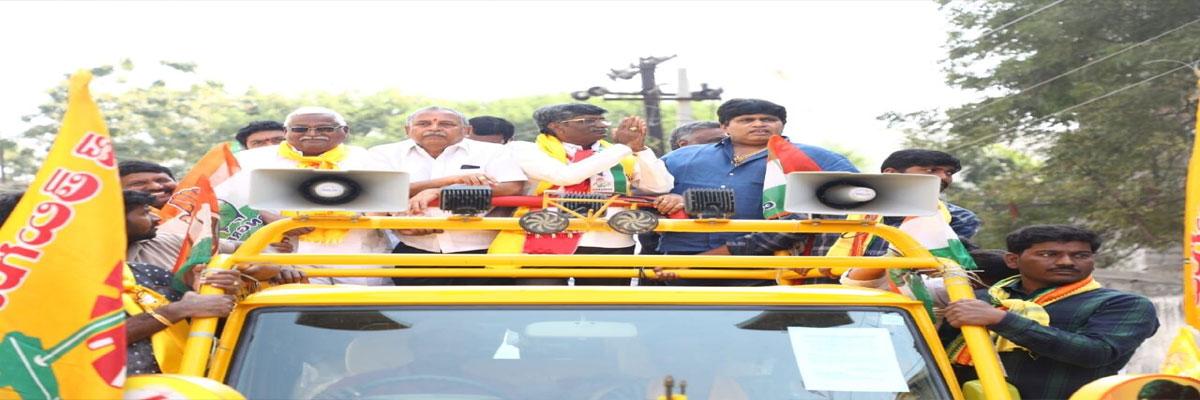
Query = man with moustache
x=147 y=177
x=159 y=183
x=315 y=140
x=1058 y=328
x=438 y=154
x=570 y=155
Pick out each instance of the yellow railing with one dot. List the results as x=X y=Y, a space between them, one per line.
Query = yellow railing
x=199 y=344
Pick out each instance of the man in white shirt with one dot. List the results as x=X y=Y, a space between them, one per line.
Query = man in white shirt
x=315 y=137
x=570 y=155
x=437 y=154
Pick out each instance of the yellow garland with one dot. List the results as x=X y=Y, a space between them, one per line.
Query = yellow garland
x=513 y=242
x=1035 y=309
x=554 y=148
x=327 y=160
x=167 y=343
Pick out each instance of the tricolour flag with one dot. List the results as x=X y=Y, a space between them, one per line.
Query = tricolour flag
x=783 y=157
x=934 y=233
x=216 y=166
x=196 y=218
x=61 y=260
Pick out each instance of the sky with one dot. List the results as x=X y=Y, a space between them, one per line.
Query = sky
x=835 y=65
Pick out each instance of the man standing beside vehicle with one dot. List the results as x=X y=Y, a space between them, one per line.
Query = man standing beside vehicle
x=1057 y=328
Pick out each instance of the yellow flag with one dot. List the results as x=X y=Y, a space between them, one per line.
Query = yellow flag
x=1183 y=358
x=61 y=257
x=1191 y=230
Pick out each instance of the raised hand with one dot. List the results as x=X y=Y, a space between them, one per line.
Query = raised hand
x=631 y=132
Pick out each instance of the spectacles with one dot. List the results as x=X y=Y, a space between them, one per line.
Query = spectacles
x=589 y=121
x=1054 y=255
x=319 y=129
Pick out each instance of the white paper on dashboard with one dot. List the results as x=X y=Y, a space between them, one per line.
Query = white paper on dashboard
x=847 y=359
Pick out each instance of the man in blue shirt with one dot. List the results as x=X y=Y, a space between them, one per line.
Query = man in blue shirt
x=739 y=163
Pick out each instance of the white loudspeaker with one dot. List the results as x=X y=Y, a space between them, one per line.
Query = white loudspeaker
x=842 y=193
x=328 y=190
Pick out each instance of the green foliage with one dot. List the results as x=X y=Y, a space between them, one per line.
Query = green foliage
x=176 y=118
x=1054 y=150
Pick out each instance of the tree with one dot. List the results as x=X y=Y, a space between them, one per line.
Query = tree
x=1084 y=125
x=176 y=118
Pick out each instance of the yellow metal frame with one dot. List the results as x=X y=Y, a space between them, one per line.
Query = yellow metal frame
x=987 y=363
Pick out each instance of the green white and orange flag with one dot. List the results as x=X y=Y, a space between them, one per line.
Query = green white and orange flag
x=934 y=233
x=216 y=166
x=61 y=260
x=783 y=157
x=196 y=218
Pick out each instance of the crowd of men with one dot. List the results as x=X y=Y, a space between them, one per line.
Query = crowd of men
x=1058 y=329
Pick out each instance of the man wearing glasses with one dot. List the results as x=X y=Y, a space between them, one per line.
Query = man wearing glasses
x=570 y=155
x=314 y=140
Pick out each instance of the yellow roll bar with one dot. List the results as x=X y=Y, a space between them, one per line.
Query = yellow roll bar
x=200 y=341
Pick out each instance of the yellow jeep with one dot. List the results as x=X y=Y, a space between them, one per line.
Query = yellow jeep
x=302 y=341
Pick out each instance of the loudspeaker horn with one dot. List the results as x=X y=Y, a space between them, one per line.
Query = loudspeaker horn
x=843 y=193
x=328 y=190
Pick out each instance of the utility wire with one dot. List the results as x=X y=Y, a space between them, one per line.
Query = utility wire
x=1072 y=71
x=1010 y=23
x=1048 y=116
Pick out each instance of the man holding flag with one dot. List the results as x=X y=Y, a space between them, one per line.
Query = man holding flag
x=752 y=161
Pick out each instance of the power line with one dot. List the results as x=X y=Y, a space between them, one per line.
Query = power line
x=1073 y=70
x=1010 y=23
x=1089 y=101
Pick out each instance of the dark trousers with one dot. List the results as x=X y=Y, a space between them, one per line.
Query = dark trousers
x=402 y=248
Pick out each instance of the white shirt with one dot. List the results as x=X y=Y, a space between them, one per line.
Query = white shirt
x=465 y=157
x=236 y=191
x=649 y=176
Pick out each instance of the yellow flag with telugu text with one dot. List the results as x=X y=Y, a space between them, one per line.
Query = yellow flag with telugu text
x=61 y=257
x=1191 y=230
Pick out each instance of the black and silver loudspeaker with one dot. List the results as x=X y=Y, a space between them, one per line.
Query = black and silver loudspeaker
x=312 y=190
x=842 y=193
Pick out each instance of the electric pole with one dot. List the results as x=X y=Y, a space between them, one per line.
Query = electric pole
x=650 y=95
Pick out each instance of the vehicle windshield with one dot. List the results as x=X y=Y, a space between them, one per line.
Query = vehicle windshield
x=583 y=353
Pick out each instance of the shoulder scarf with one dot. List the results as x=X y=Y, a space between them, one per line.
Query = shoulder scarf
x=554 y=148
x=1035 y=310
x=327 y=160
x=513 y=242
x=167 y=343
